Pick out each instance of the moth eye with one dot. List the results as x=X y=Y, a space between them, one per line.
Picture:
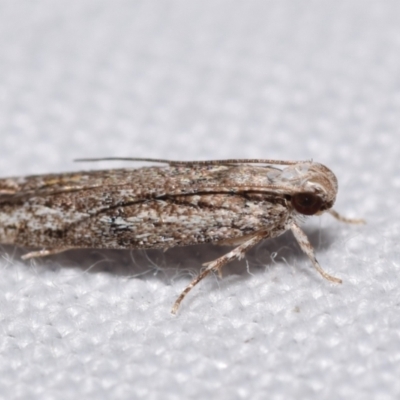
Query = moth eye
x=306 y=203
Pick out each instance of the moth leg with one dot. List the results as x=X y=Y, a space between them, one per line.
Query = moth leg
x=340 y=218
x=43 y=253
x=305 y=245
x=217 y=264
x=235 y=241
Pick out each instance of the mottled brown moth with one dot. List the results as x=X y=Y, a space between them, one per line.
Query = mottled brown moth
x=226 y=202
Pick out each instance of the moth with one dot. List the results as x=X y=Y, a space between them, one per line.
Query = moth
x=236 y=202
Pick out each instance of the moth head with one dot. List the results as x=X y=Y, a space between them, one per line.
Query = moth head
x=318 y=191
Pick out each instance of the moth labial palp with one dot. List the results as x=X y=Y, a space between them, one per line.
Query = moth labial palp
x=236 y=202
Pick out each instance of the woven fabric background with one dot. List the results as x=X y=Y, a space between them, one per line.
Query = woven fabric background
x=206 y=79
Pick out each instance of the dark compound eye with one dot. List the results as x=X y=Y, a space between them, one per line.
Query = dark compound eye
x=306 y=203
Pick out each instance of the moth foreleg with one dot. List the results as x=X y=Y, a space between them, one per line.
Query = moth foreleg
x=217 y=264
x=346 y=220
x=305 y=245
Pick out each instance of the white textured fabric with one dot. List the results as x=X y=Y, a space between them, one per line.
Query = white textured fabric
x=205 y=79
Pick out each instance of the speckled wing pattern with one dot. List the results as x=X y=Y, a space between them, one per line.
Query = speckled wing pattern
x=147 y=207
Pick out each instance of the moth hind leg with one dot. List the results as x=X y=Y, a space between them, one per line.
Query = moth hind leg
x=235 y=241
x=43 y=253
x=216 y=265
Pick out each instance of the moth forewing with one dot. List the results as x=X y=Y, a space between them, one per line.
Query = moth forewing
x=238 y=202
